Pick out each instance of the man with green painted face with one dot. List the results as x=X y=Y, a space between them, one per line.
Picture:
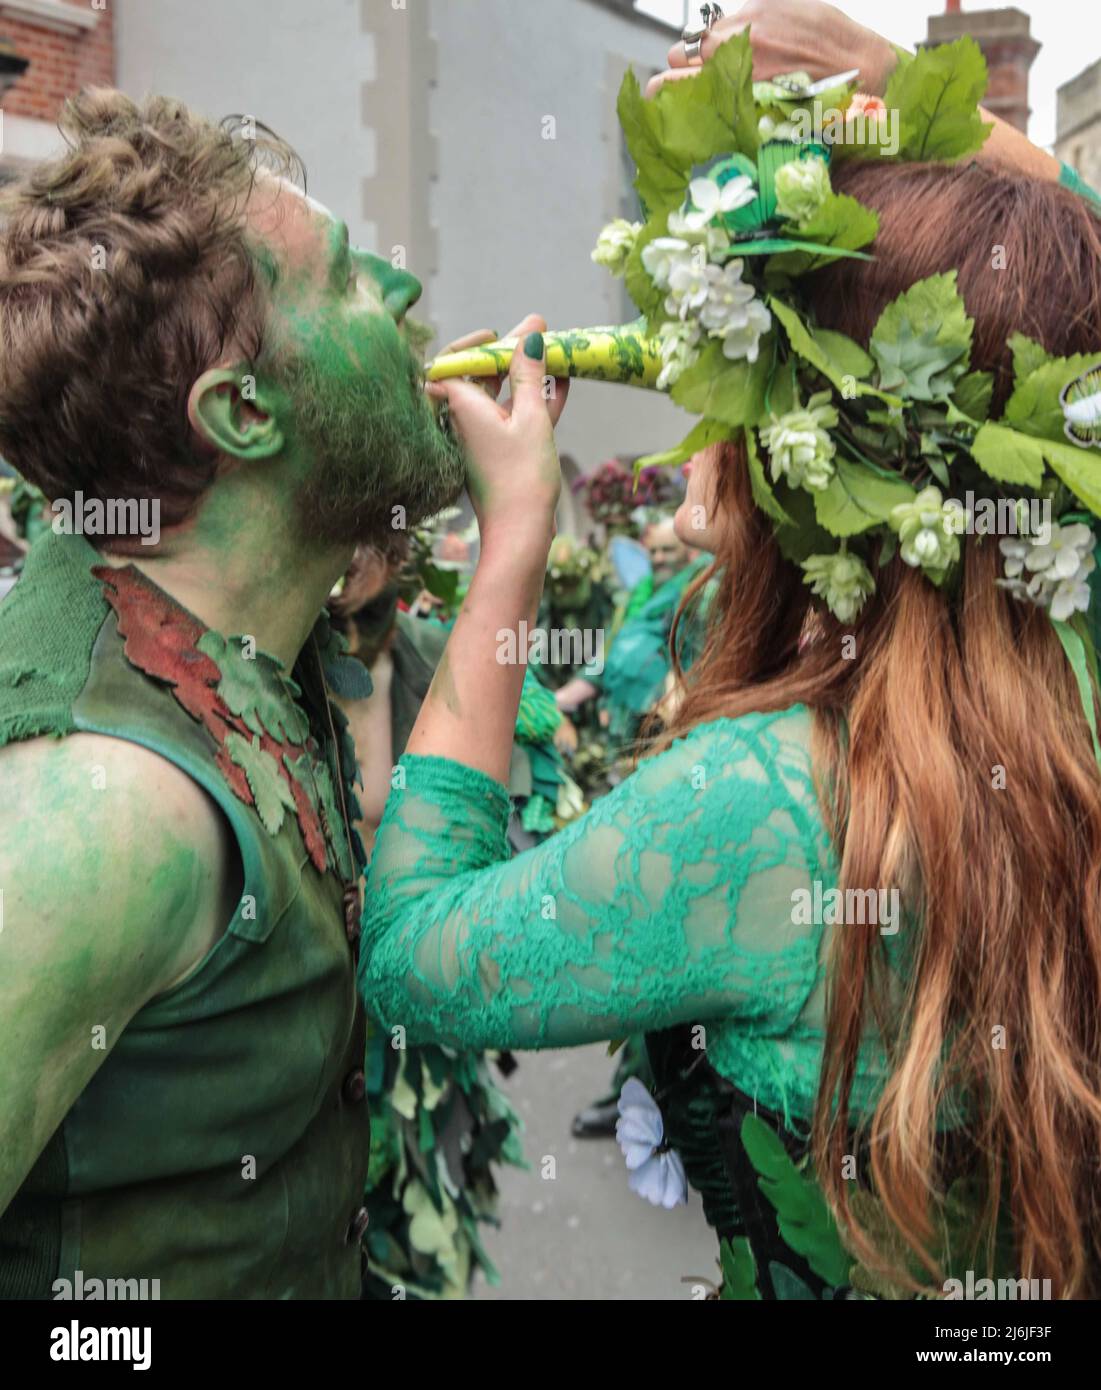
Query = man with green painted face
x=181 y=1087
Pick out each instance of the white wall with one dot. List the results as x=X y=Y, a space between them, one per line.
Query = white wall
x=515 y=215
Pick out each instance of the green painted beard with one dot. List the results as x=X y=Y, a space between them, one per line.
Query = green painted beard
x=376 y=448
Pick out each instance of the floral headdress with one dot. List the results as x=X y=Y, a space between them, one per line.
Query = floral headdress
x=864 y=442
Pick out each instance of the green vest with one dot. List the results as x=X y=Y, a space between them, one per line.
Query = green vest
x=222 y=1147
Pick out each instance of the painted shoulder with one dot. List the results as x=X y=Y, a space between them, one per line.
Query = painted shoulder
x=48 y=626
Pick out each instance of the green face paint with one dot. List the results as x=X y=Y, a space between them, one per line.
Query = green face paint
x=368 y=436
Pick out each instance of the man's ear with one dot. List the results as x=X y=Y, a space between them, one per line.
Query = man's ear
x=231 y=418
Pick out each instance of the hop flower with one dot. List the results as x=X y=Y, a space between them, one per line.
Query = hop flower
x=615 y=243
x=927 y=533
x=842 y=579
x=802 y=186
x=661 y=255
x=1058 y=570
x=679 y=349
x=800 y=446
x=711 y=199
x=657 y=1173
x=768 y=129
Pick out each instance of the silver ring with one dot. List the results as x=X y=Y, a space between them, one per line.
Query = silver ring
x=693 y=38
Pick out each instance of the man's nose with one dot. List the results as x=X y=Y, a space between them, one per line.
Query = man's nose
x=399 y=290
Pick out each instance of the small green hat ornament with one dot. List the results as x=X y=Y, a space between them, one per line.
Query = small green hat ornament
x=855 y=451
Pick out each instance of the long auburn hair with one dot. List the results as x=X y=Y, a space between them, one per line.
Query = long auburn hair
x=953 y=761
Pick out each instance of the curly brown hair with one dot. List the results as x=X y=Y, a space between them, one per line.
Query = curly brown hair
x=125 y=272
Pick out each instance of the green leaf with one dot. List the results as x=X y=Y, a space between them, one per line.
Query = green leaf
x=972 y=395
x=317 y=780
x=848 y=356
x=763 y=494
x=705 y=433
x=739 y=1270
x=1079 y=469
x=688 y=123
x=660 y=179
x=254 y=688
x=647 y=297
x=1028 y=356
x=922 y=340
x=269 y=789
x=1034 y=406
x=802 y=1214
x=833 y=354
x=805 y=536
x=715 y=387
x=841 y=222
x=788 y=1286
x=938 y=468
x=937 y=97
x=715 y=113
x=766 y=246
x=1008 y=457
x=858 y=499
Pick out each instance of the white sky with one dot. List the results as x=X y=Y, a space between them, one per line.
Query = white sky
x=1071 y=39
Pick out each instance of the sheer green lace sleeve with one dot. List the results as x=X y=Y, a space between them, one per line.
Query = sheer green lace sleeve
x=670 y=901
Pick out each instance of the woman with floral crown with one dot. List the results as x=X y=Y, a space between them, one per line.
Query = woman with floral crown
x=853 y=893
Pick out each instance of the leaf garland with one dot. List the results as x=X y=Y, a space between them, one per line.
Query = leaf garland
x=271 y=795
x=255 y=689
x=804 y=1219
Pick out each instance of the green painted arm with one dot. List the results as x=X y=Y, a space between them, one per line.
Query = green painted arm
x=115 y=871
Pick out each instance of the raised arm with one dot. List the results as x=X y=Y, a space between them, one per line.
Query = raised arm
x=669 y=902
x=114 y=875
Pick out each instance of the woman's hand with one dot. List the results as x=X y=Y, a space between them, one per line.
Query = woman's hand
x=513 y=475
x=793 y=36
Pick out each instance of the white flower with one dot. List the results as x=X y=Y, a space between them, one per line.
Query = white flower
x=727 y=296
x=1014 y=552
x=1058 y=570
x=711 y=199
x=679 y=349
x=744 y=339
x=615 y=243
x=926 y=531
x=733 y=312
x=843 y=580
x=1061 y=556
x=689 y=286
x=802 y=186
x=714 y=237
x=657 y=1173
x=1070 y=596
x=661 y=255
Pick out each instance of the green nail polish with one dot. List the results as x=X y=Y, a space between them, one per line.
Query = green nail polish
x=533 y=346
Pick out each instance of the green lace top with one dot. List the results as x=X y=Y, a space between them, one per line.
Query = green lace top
x=670 y=901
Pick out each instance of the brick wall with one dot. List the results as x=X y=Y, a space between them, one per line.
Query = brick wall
x=59 y=63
